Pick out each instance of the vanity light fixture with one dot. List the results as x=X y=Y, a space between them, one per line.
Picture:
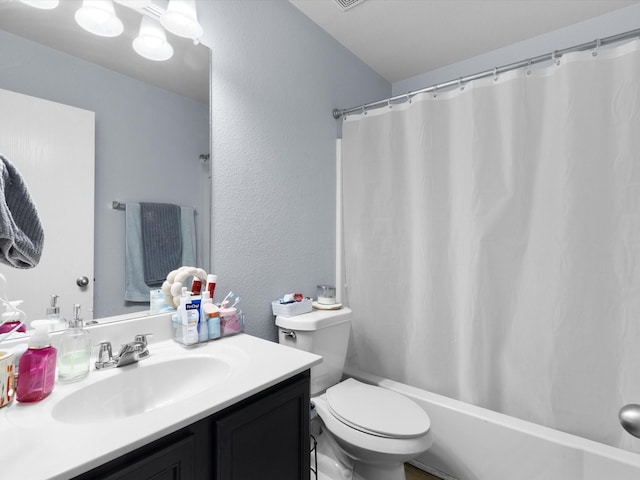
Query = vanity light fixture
x=151 y=42
x=181 y=19
x=99 y=17
x=43 y=4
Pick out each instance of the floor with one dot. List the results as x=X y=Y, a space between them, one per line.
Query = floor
x=415 y=474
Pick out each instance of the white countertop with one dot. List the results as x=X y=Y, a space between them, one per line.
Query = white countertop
x=36 y=446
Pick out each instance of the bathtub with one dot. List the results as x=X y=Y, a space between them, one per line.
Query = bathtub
x=473 y=443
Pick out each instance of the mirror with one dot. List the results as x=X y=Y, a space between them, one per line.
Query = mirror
x=152 y=136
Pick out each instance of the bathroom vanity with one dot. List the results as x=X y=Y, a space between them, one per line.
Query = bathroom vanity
x=265 y=436
x=234 y=408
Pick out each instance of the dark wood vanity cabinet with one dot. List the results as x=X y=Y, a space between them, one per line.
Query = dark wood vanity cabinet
x=168 y=462
x=264 y=437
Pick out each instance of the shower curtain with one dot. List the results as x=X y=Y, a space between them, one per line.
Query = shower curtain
x=492 y=241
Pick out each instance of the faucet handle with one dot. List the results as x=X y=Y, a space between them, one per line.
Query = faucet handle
x=143 y=338
x=104 y=352
x=105 y=356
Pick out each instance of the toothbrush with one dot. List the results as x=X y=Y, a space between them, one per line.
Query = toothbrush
x=226 y=299
x=236 y=302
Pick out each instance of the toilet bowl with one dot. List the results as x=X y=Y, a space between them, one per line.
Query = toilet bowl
x=370 y=430
x=377 y=428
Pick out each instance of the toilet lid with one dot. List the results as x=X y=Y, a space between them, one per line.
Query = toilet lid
x=376 y=410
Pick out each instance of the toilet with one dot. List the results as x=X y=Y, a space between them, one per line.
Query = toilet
x=367 y=431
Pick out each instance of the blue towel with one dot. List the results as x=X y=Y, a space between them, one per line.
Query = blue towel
x=21 y=233
x=161 y=241
x=136 y=290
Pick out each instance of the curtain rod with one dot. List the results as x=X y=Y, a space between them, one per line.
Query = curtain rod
x=337 y=112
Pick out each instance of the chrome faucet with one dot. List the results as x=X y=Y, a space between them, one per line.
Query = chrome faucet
x=131 y=352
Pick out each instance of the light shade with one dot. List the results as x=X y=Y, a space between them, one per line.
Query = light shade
x=99 y=18
x=151 y=42
x=181 y=19
x=43 y=4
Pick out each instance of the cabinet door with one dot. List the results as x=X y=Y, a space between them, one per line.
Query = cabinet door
x=267 y=439
x=174 y=462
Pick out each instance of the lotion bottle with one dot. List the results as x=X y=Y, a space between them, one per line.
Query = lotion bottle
x=75 y=350
x=37 y=368
x=213 y=323
x=211 y=284
x=203 y=328
x=188 y=312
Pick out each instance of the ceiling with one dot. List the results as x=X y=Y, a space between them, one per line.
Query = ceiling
x=186 y=73
x=403 y=38
x=397 y=38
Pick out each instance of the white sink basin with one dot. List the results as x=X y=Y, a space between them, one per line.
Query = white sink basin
x=141 y=388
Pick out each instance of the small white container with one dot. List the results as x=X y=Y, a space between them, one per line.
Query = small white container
x=290 y=309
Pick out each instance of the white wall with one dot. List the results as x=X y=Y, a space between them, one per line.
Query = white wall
x=276 y=78
x=618 y=21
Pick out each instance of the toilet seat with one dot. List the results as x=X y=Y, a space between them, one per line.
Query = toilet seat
x=369 y=448
x=376 y=411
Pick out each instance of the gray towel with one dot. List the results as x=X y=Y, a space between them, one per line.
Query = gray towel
x=136 y=290
x=21 y=234
x=161 y=240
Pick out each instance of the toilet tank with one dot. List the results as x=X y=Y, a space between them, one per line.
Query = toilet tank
x=323 y=332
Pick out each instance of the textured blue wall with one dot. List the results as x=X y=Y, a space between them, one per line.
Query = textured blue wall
x=276 y=77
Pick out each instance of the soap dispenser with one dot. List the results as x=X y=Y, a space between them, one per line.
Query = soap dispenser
x=75 y=350
x=37 y=368
x=52 y=314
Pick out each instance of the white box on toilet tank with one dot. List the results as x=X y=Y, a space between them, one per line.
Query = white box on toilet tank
x=323 y=332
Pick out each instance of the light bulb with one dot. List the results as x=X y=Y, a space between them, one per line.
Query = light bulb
x=99 y=18
x=151 y=42
x=181 y=19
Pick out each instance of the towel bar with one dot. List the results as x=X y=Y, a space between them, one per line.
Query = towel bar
x=116 y=205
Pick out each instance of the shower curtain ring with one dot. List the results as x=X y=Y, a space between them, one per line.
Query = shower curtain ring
x=495 y=74
x=555 y=58
x=364 y=110
x=409 y=97
x=435 y=91
x=389 y=103
x=528 y=70
x=460 y=84
x=595 y=51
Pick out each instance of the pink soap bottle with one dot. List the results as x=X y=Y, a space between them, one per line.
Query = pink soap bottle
x=37 y=368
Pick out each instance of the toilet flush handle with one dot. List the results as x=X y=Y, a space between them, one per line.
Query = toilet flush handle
x=289 y=334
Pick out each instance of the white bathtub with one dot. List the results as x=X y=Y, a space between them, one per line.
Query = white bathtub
x=473 y=443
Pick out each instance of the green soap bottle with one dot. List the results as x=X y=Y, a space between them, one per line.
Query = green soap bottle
x=74 y=350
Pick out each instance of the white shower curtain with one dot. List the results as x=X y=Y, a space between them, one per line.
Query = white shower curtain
x=492 y=242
